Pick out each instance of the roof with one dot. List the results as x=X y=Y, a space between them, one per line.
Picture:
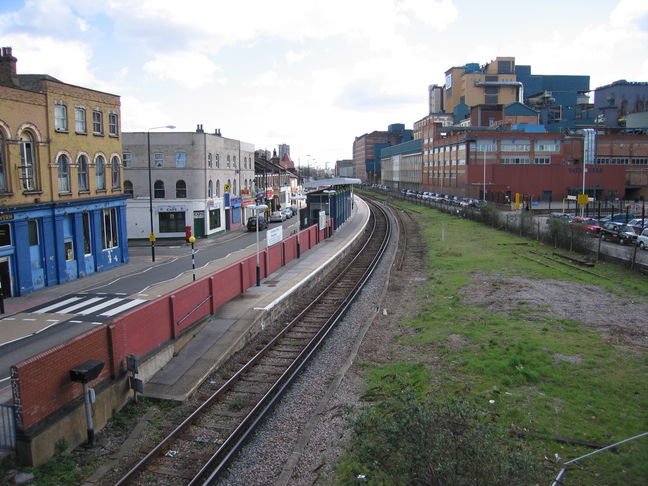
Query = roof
x=337 y=181
x=287 y=162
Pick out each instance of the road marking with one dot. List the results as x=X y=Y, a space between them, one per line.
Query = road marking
x=68 y=310
x=58 y=304
x=122 y=307
x=100 y=306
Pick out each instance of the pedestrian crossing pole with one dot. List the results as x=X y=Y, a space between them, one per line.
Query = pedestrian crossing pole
x=192 y=240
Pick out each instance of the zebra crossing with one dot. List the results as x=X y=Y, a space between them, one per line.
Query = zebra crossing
x=93 y=307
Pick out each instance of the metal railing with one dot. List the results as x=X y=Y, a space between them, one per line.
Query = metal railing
x=7 y=428
x=559 y=479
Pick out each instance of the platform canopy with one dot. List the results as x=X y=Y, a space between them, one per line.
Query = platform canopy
x=336 y=181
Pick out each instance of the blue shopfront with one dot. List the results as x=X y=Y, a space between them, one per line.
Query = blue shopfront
x=49 y=244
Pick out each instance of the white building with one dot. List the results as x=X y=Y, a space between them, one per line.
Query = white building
x=197 y=180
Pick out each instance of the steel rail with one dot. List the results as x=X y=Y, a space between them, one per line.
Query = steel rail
x=238 y=437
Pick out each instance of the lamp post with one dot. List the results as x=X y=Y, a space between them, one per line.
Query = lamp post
x=256 y=208
x=148 y=151
x=328 y=193
x=484 y=180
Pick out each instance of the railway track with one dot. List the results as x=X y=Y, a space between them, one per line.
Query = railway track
x=198 y=450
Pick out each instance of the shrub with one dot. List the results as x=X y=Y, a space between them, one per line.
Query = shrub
x=404 y=441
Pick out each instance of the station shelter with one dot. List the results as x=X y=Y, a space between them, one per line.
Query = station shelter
x=333 y=196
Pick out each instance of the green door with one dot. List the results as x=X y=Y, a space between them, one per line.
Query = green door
x=199 y=227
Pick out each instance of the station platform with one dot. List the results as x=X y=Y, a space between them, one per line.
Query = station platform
x=227 y=330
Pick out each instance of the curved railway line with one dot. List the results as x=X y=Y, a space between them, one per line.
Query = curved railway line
x=199 y=449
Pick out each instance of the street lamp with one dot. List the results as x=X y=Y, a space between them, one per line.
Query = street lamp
x=148 y=149
x=256 y=208
x=328 y=193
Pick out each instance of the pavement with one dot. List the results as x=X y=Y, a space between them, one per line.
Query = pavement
x=226 y=331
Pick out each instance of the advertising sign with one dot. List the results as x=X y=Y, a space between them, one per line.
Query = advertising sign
x=274 y=235
x=322 y=220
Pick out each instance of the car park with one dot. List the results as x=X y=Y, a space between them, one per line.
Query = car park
x=277 y=217
x=619 y=233
x=252 y=223
x=642 y=239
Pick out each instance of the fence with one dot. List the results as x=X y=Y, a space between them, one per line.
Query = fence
x=7 y=428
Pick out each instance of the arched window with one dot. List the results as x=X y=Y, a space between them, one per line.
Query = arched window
x=28 y=161
x=4 y=186
x=229 y=184
x=234 y=161
x=100 y=173
x=210 y=189
x=228 y=161
x=63 y=173
x=181 y=189
x=114 y=165
x=158 y=190
x=209 y=160
x=218 y=188
x=234 y=188
x=128 y=188
x=82 y=162
x=217 y=160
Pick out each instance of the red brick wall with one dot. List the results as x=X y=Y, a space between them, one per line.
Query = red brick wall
x=42 y=383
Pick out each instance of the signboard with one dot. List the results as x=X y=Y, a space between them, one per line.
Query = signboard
x=199 y=214
x=274 y=235
x=227 y=187
x=171 y=209
x=322 y=220
x=583 y=199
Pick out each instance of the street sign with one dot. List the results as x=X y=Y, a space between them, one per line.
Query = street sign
x=583 y=199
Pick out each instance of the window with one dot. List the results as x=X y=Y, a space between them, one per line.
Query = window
x=209 y=160
x=109 y=229
x=82 y=162
x=181 y=189
x=234 y=162
x=127 y=159
x=158 y=190
x=515 y=146
x=172 y=222
x=113 y=130
x=28 y=162
x=32 y=232
x=547 y=146
x=97 y=122
x=63 y=173
x=80 y=120
x=515 y=160
x=158 y=159
x=128 y=188
x=60 y=117
x=87 y=242
x=114 y=165
x=214 y=218
x=234 y=187
x=218 y=193
x=180 y=159
x=217 y=160
x=3 y=166
x=228 y=161
x=5 y=234
x=542 y=160
x=210 y=189
x=100 y=173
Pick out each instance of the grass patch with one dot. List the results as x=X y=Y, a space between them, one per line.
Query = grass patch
x=529 y=369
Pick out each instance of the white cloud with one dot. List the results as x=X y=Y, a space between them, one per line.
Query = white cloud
x=189 y=69
x=293 y=57
x=68 y=61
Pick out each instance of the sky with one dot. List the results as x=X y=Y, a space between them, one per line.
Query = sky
x=313 y=74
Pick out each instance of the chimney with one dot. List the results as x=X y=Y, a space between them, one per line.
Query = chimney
x=8 y=75
x=199 y=129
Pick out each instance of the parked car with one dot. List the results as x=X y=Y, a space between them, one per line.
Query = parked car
x=562 y=216
x=642 y=239
x=252 y=223
x=287 y=213
x=619 y=218
x=590 y=225
x=277 y=217
x=620 y=233
x=638 y=223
